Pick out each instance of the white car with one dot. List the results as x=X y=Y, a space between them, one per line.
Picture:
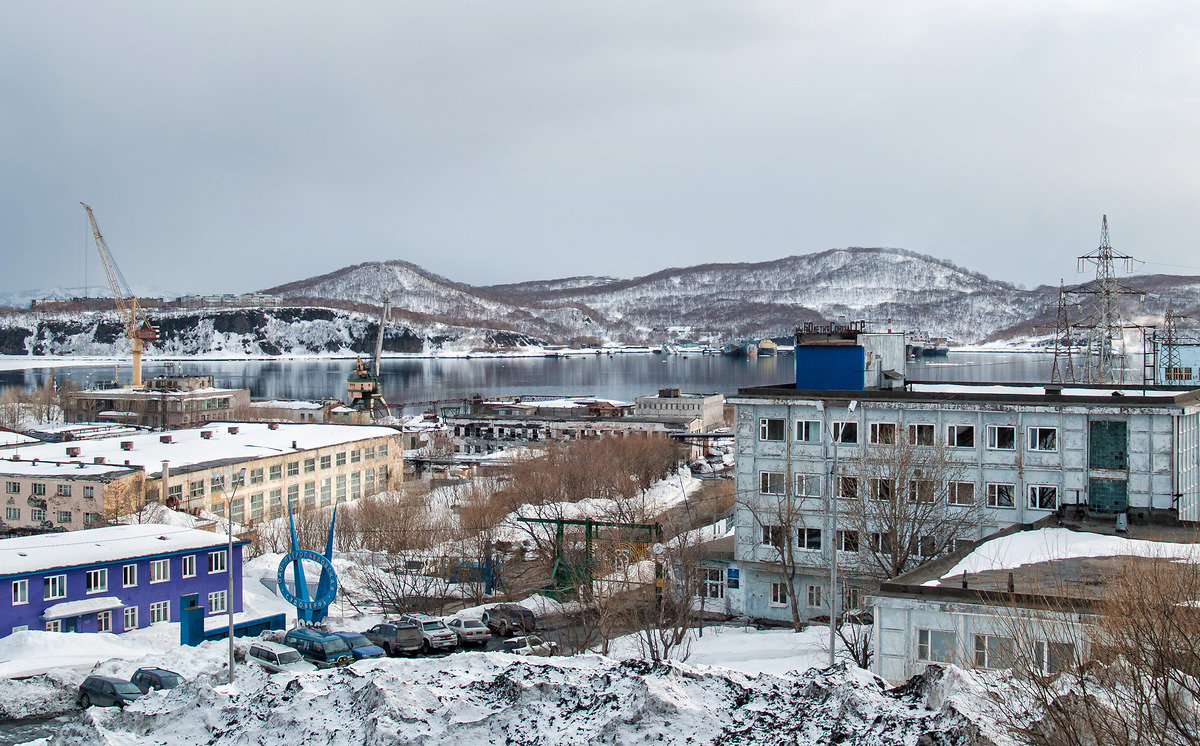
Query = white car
x=531 y=645
x=277 y=658
x=470 y=631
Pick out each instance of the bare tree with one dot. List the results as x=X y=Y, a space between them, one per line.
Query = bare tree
x=784 y=526
x=906 y=502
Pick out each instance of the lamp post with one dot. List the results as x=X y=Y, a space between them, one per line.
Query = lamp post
x=240 y=475
x=834 y=495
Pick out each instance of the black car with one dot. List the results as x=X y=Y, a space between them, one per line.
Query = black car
x=106 y=691
x=155 y=678
x=509 y=619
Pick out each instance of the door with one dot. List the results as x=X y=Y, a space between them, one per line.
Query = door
x=71 y=624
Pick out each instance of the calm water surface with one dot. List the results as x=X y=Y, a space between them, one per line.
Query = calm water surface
x=415 y=381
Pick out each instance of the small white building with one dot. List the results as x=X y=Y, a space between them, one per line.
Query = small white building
x=673 y=404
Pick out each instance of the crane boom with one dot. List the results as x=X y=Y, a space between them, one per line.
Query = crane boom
x=137 y=327
x=383 y=319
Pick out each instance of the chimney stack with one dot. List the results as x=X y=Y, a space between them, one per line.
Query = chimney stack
x=206 y=434
x=164 y=439
x=233 y=430
x=126 y=445
x=73 y=450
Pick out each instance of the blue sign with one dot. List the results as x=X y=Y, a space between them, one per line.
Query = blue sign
x=309 y=608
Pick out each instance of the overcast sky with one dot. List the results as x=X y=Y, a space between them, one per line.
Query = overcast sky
x=230 y=147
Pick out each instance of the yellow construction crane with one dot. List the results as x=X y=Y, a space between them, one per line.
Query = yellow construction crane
x=137 y=327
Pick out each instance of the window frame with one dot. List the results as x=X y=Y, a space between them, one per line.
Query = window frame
x=223 y=597
x=20 y=592
x=953 y=496
x=217 y=558
x=812 y=596
x=128 y=572
x=779 y=595
x=127 y=615
x=95 y=581
x=161 y=568
x=766 y=425
x=809 y=539
x=993 y=437
x=803 y=482
x=915 y=429
x=990 y=652
x=952 y=436
x=50 y=583
x=1039 y=488
x=160 y=609
x=838 y=431
x=876 y=430
x=187 y=567
x=991 y=490
x=104 y=621
x=769 y=479
x=1033 y=444
x=805 y=430
x=925 y=648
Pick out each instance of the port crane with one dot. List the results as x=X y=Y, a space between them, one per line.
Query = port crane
x=364 y=387
x=138 y=328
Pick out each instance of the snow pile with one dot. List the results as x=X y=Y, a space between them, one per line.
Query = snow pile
x=746 y=649
x=1043 y=545
x=499 y=698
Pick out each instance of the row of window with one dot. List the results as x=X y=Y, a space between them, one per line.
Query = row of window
x=847 y=540
x=813 y=596
x=994 y=651
x=997 y=494
x=96 y=581
x=39 y=514
x=38 y=489
x=160 y=611
x=999 y=437
x=275 y=472
x=339 y=489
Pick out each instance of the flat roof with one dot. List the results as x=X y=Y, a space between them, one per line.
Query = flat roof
x=27 y=467
x=187 y=450
x=998 y=392
x=92 y=546
x=127 y=392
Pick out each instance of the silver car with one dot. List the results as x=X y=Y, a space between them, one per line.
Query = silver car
x=470 y=631
x=277 y=658
x=434 y=632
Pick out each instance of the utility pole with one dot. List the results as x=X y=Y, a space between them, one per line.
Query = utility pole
x=1063 y=372
x=1106 y=326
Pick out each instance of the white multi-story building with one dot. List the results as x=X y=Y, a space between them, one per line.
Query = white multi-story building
x=676 y=405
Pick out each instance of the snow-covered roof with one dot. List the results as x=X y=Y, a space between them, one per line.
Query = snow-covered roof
x=287 y=404
x=187 y=448
x=90 y=546
x=126 y=392
x=8 y=438
x=83 y=606
x=16 y=463
x=1037 y=390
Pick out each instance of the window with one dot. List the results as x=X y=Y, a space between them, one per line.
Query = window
x=1176 y=373
x=216 y=602
x=326 y=492
x=1043 y=438
x=341 y=487
x=355 y=456
x=1043 y=497
x=851 y=598
x=1001 y=438
x=104 y=621
x=310 y=494
x=880 y=542
x=160 y=611
x=809 y=538
x=808 y=485
x=771 y=482
x=20 y=592
x=256 y=506
x=97 y=580
x=54 y=626
x=63 y=490
x=189 y=566
x=91 y=518
x=369 y=482
x=921 y=491
x=1054 y=657
x=275 y=502
x=129 y=576
x=130 y=618
x=779 y=594
x=293 y=469
x=237 y=509
x=12 y=514
x=714 y=583
x=326 y=462
x=238 y=479
x=935 y=645
x=848 y=541
x=38 y=489
x=962 y=493
x=89 y=492
x=921 y=435
x=960 y=436
x=341 y=458
x=12 y=488
x=54 y=586
x=37 y=514
x=356 y=484
x=771 y=429
x=383 y=450
x=847 y=487
x=256 y=476
x=882 y=433
x=772 y=535
x=845 y=432
x=160 y=571
x=1000 y=495
x=64 y=516
x=310 y=465
x=196 y=489
x=992 y=651
x=880 y=489
x=808 y=431
x=216 y=484
x=276 y=472
x=216 y=561
x=813 y=596
x=369 y=453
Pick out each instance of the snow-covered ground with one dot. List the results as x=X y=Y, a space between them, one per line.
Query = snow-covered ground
x=746 y=649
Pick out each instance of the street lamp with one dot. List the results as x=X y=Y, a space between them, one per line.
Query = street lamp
x=240 y=476
x=833 y=500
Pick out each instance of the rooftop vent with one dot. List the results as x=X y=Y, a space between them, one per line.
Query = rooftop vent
x=272 y=425
x=97 y=459
x=127 y=462
x=80 y=464
x=73 y=450
x=164 y=439
x=232 y=429
x=206 y=434
x=295 y=447
x=126 y=445
x=1054 y=391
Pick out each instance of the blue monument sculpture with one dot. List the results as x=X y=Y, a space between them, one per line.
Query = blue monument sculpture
x=309 y=608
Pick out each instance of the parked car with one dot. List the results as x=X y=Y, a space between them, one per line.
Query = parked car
x=434 y=632
x=470 y=631
x=509 y=619
x=396 y=638
x=360 y=646
x=530 y=645
x=106 y=691
x=146 y=679
x=277 y=658
x=319 y=648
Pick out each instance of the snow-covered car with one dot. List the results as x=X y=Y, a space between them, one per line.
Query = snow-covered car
x=530 y=645
x=435 y=635
x=470 y=631
x=106 y=691
x=155 y=678
x=276 y=658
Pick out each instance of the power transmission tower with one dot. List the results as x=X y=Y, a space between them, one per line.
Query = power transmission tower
x=1170 y=348
x=1063 y=370
x=1106 y=325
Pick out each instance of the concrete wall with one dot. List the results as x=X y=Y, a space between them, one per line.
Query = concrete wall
x=86 y=511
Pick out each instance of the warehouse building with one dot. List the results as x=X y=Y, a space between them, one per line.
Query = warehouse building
x=165 y=402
